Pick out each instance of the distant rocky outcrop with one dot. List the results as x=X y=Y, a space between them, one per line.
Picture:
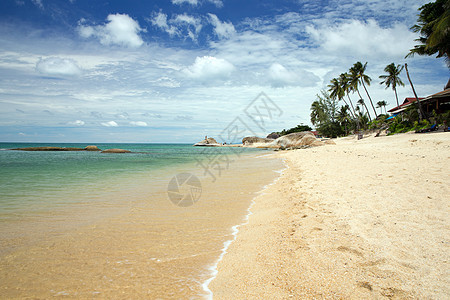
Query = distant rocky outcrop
x=208 y=142
x=115 y=151
x=92 y=148
x=49 y=148
x=255 y=140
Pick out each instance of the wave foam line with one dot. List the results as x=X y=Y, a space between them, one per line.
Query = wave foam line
x=235 y=231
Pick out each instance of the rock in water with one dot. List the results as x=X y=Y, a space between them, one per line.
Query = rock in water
x=115 y=151
x=92 y=148
x=50 y=148
x=208 y=142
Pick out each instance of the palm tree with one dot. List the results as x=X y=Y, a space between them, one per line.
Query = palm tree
x=344 y=80
x=434 y=28
x=336 y=90
x=384 y=103
x=363 y=105
x=358 y=76
x=317 y=112
x=392 y=78
x=380 y=106
x=343 y=117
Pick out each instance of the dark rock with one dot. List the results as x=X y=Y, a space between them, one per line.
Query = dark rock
x=273 y=135
x=115 y=151
x=50 y=148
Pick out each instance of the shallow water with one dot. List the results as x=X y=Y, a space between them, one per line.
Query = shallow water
x=82 y=224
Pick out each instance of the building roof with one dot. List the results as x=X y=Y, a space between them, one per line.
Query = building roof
x=406 y=102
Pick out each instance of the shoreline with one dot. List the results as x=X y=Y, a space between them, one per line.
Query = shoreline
x=235 y=229
x=360 y=219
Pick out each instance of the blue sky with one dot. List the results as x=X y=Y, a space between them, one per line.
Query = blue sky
x=177 y=70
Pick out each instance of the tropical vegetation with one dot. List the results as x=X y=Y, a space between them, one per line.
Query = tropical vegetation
x=433 y=24
x=392 y=78
x=334 y=113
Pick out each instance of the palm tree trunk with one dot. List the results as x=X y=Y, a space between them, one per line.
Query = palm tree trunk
x=421 y=113
x=351 y=104
x=396 y=97
x=347 y=105
x=370 y=99
x=360 y=97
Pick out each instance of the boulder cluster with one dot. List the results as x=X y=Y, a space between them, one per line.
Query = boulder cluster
x=296 y=140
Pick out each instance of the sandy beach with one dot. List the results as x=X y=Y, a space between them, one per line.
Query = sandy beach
x=359 y=219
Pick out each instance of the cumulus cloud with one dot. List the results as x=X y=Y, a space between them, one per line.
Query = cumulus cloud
x=77 y=123
x=210 y=69
x=222 y=29
x=56 y=66
x=138 y=123
x=120 y=29
x=279 y=76
x=359 y=38
x=110 y=124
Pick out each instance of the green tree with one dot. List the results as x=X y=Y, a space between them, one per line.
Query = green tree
x=359 y=77
x=363 y=105
x=345 y=81
x=324 y=113
x=380 y=106
x=392 y=78
x=433 y=24
x=337 y=90
x=344 y=119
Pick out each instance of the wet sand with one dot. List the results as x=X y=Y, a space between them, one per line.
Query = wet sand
x=142 y=246
x=359 y=219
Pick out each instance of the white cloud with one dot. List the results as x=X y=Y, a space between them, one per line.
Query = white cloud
x=178 y=25
x=38 y=3
x=217 y=3
x=160 y=20
x=367 y=39
x=192 y=25
x=210 y=69
x=120 y=30
x=110 y=124
x=191 y=2
x=280 y=77
x=56 y=66
x=138 y=123
x=222 y=29
x=77 y=123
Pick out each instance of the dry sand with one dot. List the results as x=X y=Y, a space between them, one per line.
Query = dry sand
x=359 y=219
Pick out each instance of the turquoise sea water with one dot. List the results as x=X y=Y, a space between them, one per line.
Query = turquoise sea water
x=88 y=223
x=36 y=179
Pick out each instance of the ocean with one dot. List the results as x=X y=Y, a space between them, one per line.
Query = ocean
x=151 y=223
